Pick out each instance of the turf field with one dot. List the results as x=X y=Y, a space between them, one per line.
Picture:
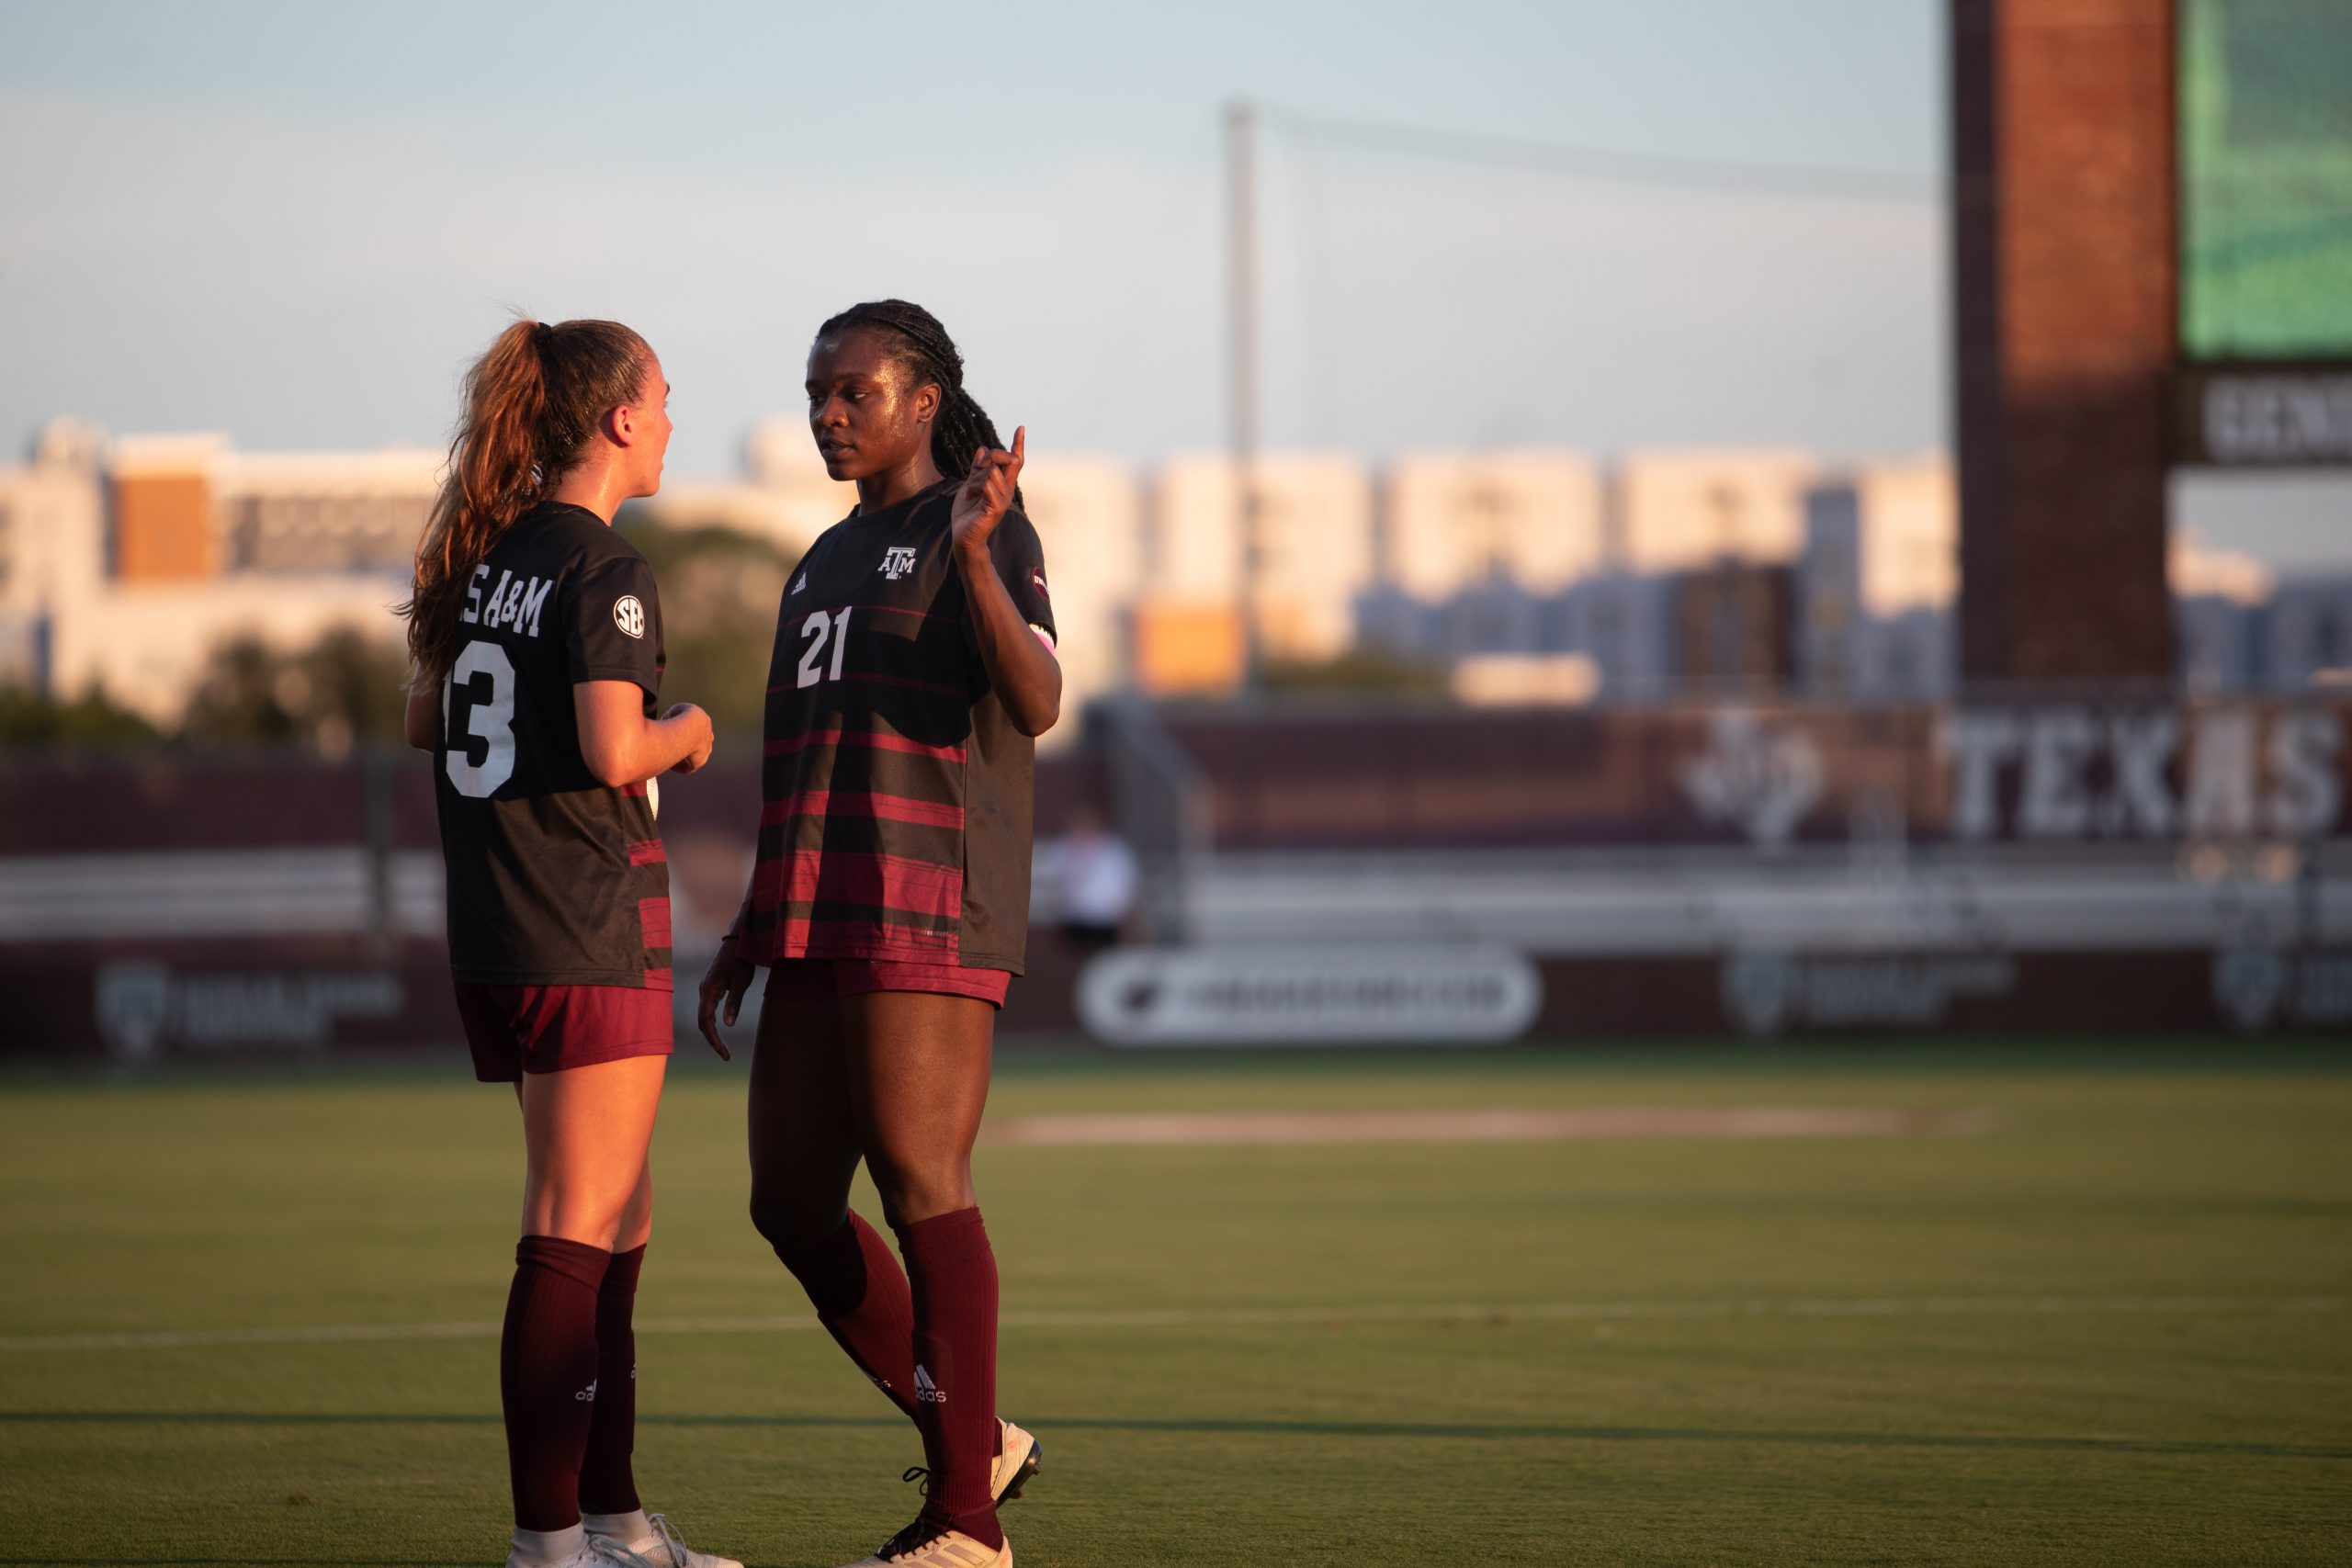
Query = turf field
x=2112 y=1322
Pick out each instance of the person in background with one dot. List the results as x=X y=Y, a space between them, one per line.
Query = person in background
x=1092 y=873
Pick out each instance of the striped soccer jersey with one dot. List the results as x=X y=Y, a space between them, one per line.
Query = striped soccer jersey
x=895 y=791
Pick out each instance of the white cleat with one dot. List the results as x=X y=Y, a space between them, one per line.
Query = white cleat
x=910 y=1548
x=1013 y=1467
x=1020 y=1456
x=665 y=1549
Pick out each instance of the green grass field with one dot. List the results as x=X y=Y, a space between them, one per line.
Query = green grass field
x=2112 y=1330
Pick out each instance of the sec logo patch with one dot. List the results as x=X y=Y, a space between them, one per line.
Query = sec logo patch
x=630 y=614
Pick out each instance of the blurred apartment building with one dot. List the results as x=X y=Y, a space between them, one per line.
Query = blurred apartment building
x=1706 y=571
x=1536 y=575
x=52 y=548
x=1728 y=573
x=2241 y=631
x=1314 y=533
x=1876 y=582
x=122 y=563
x=784 y=497
x=1088 y=511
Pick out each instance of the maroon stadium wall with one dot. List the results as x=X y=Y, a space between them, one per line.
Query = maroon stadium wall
x=2031 y=772
x=171 y=905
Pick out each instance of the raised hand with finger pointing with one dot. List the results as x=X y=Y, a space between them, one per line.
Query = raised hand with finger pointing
x=985 y=492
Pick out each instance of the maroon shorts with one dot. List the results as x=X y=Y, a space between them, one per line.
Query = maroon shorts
x=829 y=979
x=515 y=1030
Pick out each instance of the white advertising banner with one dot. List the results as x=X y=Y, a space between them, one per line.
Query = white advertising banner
x=1351 y=995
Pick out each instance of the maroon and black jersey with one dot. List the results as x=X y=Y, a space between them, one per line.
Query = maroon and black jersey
x=554 y=878
x=895 y=789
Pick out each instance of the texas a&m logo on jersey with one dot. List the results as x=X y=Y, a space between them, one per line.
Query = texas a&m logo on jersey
x=897 y=562
x=513 y=602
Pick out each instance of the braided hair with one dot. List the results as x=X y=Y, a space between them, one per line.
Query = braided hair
x=931 y=356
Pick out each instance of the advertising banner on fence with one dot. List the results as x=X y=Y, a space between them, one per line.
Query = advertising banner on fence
x=1307 y=996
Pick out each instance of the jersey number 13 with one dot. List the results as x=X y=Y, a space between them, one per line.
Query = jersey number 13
x=489 y=719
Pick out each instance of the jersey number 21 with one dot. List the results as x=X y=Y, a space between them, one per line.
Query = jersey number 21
x=816 y=627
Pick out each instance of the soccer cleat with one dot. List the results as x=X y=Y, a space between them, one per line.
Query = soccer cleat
x=924 y=1544
x=664 y=1550
x=1019 y=1458
x=1012 y=1468
x=584 y=1558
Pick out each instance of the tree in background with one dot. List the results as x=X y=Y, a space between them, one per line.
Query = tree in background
x=35 y=718
x=345 y=688
x=719 y=592
x=1369 y=669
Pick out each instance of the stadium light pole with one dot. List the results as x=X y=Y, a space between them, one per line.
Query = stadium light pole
x=1241 y=362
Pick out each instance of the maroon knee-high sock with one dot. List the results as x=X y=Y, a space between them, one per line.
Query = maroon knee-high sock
x=952 y=1273
x=861 y=1297
x=607 y=1485
x=547 y=1375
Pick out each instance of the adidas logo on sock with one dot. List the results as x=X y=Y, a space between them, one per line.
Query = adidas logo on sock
x=587 y=1395
x=926 y=1390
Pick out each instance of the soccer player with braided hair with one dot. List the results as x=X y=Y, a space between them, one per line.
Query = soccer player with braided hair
x=913 y=669
x=536 y=636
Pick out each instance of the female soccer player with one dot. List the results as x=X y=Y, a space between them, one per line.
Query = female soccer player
x=913 y=669
x=536 y=636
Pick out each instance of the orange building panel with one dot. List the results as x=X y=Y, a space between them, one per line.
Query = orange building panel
x=1187 y=648
x=162 y=526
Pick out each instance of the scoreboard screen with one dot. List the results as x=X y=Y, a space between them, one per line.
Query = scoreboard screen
x=2266 y=179
x=2264 y=128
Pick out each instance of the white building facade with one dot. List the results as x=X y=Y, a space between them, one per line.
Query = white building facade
x=1315 y=548
x=1453 y=520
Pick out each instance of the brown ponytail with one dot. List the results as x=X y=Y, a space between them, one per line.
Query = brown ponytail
x=532 y=402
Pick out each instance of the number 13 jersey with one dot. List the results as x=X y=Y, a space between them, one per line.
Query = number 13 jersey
x=895 y=791
x=554 y=878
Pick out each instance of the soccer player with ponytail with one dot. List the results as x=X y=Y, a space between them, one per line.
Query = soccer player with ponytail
x=913 y=669
x=536 y=637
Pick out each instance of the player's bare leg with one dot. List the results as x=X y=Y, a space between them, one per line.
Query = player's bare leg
x=586 y=1132
x=804 y=1150
x=918 y=1066
x=805 y=1147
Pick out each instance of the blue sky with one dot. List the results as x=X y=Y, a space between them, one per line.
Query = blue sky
x=296 y=221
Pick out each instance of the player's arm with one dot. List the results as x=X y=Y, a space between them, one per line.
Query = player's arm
x=612 y=620
x=725 y=981
x=621 y=746
x=416 y=720
x=1022 y=670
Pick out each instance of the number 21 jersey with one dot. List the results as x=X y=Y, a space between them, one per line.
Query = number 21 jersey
x=554 y=878
x=895 y=789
